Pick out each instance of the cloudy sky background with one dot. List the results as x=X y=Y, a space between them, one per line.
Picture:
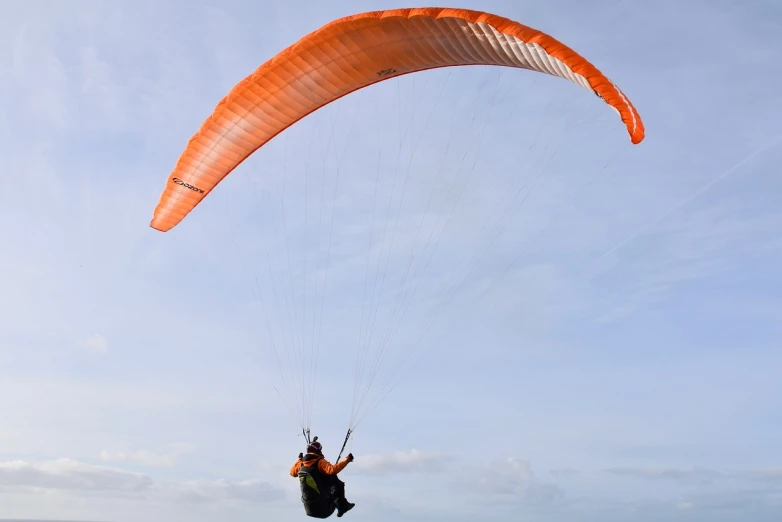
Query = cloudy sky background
x=614 y=355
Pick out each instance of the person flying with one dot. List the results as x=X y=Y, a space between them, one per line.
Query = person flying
x=321 y=489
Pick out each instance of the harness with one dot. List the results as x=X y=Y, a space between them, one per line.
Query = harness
x=317 y=497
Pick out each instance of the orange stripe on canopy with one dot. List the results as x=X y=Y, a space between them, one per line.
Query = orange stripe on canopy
x=352 y=53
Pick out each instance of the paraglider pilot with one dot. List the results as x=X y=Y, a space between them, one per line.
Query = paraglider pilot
x=321 y=490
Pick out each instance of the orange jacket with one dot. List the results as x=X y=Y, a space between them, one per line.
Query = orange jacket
x=324 y=466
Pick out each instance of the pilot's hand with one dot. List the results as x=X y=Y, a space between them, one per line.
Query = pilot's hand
x=301 y=456
x=350 y=457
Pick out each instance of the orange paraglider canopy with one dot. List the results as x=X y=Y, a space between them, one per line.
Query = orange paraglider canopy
x=352 y=53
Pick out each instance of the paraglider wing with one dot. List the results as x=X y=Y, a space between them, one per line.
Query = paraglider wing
x=352 y=53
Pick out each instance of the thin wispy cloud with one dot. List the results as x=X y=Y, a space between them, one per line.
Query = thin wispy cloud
x=166 y=458
x=701 y=475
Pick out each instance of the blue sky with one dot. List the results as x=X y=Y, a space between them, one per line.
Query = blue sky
x=614 y=356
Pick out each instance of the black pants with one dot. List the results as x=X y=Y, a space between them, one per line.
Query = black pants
x=334 y=490
x=335 y=486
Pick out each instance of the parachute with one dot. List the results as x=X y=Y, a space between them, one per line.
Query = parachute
x=342 y=57
x=352 y=53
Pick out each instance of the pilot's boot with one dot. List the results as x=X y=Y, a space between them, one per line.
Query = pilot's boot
x=344 y=506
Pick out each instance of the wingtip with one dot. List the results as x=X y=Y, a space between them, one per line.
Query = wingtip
x=156 y=226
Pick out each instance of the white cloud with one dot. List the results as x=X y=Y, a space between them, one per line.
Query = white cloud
x=772 y=475
x=378 y=507
x=68 y=474
x=511 y=481
x=162 y=459
x=199 y=491
x=413 y=461
x=684 y=505
x=98 y=343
